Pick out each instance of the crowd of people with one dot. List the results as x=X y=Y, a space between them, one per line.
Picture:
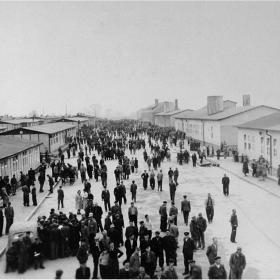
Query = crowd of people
x=149 y=253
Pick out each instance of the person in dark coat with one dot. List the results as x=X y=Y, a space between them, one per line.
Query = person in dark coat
x=194 y=159
x=148 y=261
x=131 y=230
x=145 y=177
x=194 y=231
x=113 y=264
x=195 y=270
x=60 y=197
x=130 y=246
x=41 y=180
x=108 y=222
x=212 y=251
x=172 y=190
x=51 y=183
x=245 y=168
x=37 y=252
x=9 y=215
x=83 y=272
x=188 y=249
x=170 y=247
x=118 y=192
x=163 y=216
x=95 y=252
x=26 y=192
x=105 y=196
x=234 y=225
x=201 y=225
x=237 y=264
x=217 y=270
x=34 y=197
x=133 y=190
x=157 y=248
x=185 y=209
x=225 y=182
x=209 y=207
x=12 y=256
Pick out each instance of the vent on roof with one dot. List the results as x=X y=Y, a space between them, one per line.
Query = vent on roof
x=215 y=104
x=246 y=100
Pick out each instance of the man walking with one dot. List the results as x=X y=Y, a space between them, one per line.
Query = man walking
x=133 y=190
x=202 y=225
x=209 y=207
x=234 y=225
x=237 y=264
x=225 y=182
x=185 y=209
x=60 y=197
x=105 y=196
x=176 y=175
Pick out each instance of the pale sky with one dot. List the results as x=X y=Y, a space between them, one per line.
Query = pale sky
x=123 y=55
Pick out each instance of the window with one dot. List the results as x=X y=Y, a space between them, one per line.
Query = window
x=245 y=146
x=262 y=145
x=249 y=138
x=249 y=146
x=15 y=164
x=211 y=131
x=244 y=137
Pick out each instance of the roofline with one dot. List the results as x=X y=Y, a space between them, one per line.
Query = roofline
x=235 y=114
x=25 y=149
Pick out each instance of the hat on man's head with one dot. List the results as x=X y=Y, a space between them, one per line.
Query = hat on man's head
x=217 y=258
x=164 y=201
x=191 y=261
x=186 y=233
x=157 y=232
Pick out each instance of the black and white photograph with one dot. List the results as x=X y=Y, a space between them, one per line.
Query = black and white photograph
x=139 y=139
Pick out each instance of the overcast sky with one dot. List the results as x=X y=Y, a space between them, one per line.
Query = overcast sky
x=124 y=55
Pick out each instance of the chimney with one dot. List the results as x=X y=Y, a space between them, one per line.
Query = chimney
x=246 y=100
x=176 y=104
x=156 y=102
x=215 y=104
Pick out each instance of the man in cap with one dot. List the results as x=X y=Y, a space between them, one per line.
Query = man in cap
x=133 y=190
x=145 y=177
x=237 y=264
x=170 y=247
x=185 y=209
x=163 y=216
x=201 y=225
x=217 y=270
x=172 y=190
x=173 y=212
x=170 y=272
x=105 y=196
x=188 y=249
x=131 y=230
x=195 y=270
x=225 y=182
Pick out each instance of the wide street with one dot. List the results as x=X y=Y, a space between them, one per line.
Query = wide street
x=257 y=234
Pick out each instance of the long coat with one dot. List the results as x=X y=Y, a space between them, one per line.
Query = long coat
x=188 y=248
x=212 y=252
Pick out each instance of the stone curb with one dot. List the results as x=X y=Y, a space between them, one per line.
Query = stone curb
x=33 y=212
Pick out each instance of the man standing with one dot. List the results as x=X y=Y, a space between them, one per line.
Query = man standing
x=225 y=182
x=133 y=213
x=172 y=190
x=60 y=197
x=194 y=159
x=51 y=183
x=130 y=246
x=163 y=216
x=148 y=261
x=278 y=174
x=41 y=180
x=237 y=264
x=145 y=177
x=105 y=196
x=157 y=248
x=159 y=180
x=9 y=214
x=14 y=184
x=188 y=249
x=234 y=225
x=185 y=209
x=133 y=190
x=209 y=206
x=202 y=225
x=212 y=251
x=170 y=174
x=176 y=175
x=217 y=270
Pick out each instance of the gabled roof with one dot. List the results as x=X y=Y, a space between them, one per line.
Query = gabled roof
x=10 y=146
x=201 y=114
x=50 y=128
x=269 y=122
x=170 y=113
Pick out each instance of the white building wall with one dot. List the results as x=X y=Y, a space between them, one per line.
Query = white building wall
x=254 y=142
x=212 y=133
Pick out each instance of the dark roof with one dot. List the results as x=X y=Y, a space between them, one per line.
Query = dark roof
x=170 y=113
x=269 y=122
x=10 y=146
x=76 y=119
x=49 y=128
x=201 y=114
